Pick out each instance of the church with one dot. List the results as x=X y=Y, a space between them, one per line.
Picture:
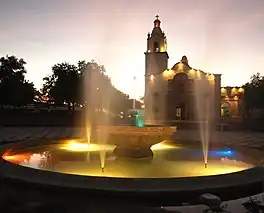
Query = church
x=183 y=92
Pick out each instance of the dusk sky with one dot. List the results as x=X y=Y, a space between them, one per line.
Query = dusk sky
x=217 y=36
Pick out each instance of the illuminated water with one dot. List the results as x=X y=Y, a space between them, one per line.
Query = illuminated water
x=97 y=93
x=170 y=160
x=204 y=98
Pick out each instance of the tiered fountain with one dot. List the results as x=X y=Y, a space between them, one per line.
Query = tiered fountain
x=122 y=159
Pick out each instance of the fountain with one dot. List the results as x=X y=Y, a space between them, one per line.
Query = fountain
x=204 y=99
x=130 y=141
x=129 y=160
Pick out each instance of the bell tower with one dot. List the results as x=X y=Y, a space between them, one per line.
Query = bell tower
x=156 y=54
x=156 y=61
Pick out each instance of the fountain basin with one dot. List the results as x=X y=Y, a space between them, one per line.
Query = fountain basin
x=169 y=180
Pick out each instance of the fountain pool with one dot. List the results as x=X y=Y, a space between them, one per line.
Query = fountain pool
x=174 y=173
x=169 y=160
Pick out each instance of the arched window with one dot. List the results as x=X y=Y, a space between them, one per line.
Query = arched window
x=156 y=46
x=225 y=109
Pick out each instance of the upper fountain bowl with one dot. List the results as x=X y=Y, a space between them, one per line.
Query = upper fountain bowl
x=133 y=141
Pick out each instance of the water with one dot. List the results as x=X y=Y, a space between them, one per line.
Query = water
x=97 y=95
x=204 y=96
x=170 y=160
x=98 y=98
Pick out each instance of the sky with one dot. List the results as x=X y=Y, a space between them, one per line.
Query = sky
x=217 y=36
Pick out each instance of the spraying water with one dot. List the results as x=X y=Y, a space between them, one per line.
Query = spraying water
x=97 y=97
x=88 y=130
x=204 y=95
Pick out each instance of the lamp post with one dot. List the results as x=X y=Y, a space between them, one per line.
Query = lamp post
x=135 y=113
x=134 y=98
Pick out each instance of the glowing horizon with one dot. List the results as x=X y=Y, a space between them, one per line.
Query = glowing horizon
x=114 y=34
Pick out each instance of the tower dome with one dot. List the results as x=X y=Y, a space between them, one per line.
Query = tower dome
x=157 y=21
x=184 y=60
x=156 y=29
x=182 y=65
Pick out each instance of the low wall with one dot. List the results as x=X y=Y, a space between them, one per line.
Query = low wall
x=163 y=191
x=16 y=118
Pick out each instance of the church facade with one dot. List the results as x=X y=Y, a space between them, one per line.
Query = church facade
x=183 y=92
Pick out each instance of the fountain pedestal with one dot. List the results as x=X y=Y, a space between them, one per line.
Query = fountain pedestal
x=134 y=142
x=133 y=152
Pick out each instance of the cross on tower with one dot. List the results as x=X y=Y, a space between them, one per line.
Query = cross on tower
x=157 y=16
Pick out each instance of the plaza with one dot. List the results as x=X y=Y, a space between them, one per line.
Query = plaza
x=156 y=164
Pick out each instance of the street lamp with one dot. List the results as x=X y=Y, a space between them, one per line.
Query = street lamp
x=134 y=98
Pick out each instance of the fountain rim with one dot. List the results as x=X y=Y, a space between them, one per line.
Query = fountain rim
x=21 y=174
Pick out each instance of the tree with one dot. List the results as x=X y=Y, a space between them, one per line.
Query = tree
x=254 y=93
x=118 y=101
x=62 y=84
x=28 y=92
x=14 y=89
x=75 y=83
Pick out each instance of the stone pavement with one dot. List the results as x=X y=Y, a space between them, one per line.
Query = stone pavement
x=248 y=139
x=9 y=134
x=233 y=206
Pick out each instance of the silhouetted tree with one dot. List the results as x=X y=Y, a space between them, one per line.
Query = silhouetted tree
x=62 y=84
x=119 y=102
x=92 y=76
x=68 y=83
x=254 y=93
x=14 y=89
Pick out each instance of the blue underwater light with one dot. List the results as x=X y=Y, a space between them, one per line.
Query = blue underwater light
x=222 y=153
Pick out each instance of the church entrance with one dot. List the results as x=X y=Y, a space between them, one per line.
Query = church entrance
x=177 y=100
x=180 y=112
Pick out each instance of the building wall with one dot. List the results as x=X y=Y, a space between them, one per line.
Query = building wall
x=232 y=102
x=201 y=91
x=156 y=59
x=166 y=95
x=155 y=87
x=217 y=100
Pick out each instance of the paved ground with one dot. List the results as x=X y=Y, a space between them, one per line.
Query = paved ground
x=21 y=133
x=249 y=139
x=233 y=206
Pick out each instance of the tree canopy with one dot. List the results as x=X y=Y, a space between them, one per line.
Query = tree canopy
x=15 y=90
x=62 y=83
x=254 y=93
x=71 y=83
x=67 y=83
